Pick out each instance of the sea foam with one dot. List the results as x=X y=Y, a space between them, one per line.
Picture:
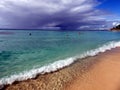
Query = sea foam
x=56 y=65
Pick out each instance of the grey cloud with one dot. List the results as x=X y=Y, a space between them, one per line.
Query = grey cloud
x=58 y=14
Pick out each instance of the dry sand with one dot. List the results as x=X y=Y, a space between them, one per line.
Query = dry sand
x=101 y=72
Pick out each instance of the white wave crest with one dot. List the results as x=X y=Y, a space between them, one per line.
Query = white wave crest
x=56 y=65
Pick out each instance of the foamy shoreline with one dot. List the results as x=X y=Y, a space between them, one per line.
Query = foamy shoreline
x=108 y=46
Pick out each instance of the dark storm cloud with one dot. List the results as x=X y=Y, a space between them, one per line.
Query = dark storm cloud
x=51 y=14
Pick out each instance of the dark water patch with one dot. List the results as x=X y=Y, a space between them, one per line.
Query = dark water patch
x=6 y=33
x=1 y=40
x=4 y=55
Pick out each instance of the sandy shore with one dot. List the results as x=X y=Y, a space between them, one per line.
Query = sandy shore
x=104 y=76
x=101 y=72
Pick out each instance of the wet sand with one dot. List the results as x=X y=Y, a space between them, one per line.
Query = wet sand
x=101 y=72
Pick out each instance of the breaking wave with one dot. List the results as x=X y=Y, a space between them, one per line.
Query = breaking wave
x=56 y=65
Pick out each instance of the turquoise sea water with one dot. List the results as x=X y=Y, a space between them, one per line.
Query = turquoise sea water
x=21 y=52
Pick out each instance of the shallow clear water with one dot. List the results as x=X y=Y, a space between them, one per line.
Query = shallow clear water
x=20 y=51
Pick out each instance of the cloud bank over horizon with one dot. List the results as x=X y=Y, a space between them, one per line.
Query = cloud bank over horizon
x=52 y=14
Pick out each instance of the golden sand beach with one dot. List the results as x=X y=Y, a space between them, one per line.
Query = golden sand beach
x=100 y=72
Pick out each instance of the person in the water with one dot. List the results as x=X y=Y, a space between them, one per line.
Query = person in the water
x=30 y=34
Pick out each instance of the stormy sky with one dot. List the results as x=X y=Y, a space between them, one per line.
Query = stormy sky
x=58 y=14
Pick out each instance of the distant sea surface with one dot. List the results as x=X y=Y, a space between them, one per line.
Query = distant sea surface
x=25 y=53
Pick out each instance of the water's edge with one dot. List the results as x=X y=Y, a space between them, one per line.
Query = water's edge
x=56 y=65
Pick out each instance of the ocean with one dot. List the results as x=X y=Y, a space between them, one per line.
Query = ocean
x=26 y=53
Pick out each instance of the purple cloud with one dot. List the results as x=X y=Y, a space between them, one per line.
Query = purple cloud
x=51 y=14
